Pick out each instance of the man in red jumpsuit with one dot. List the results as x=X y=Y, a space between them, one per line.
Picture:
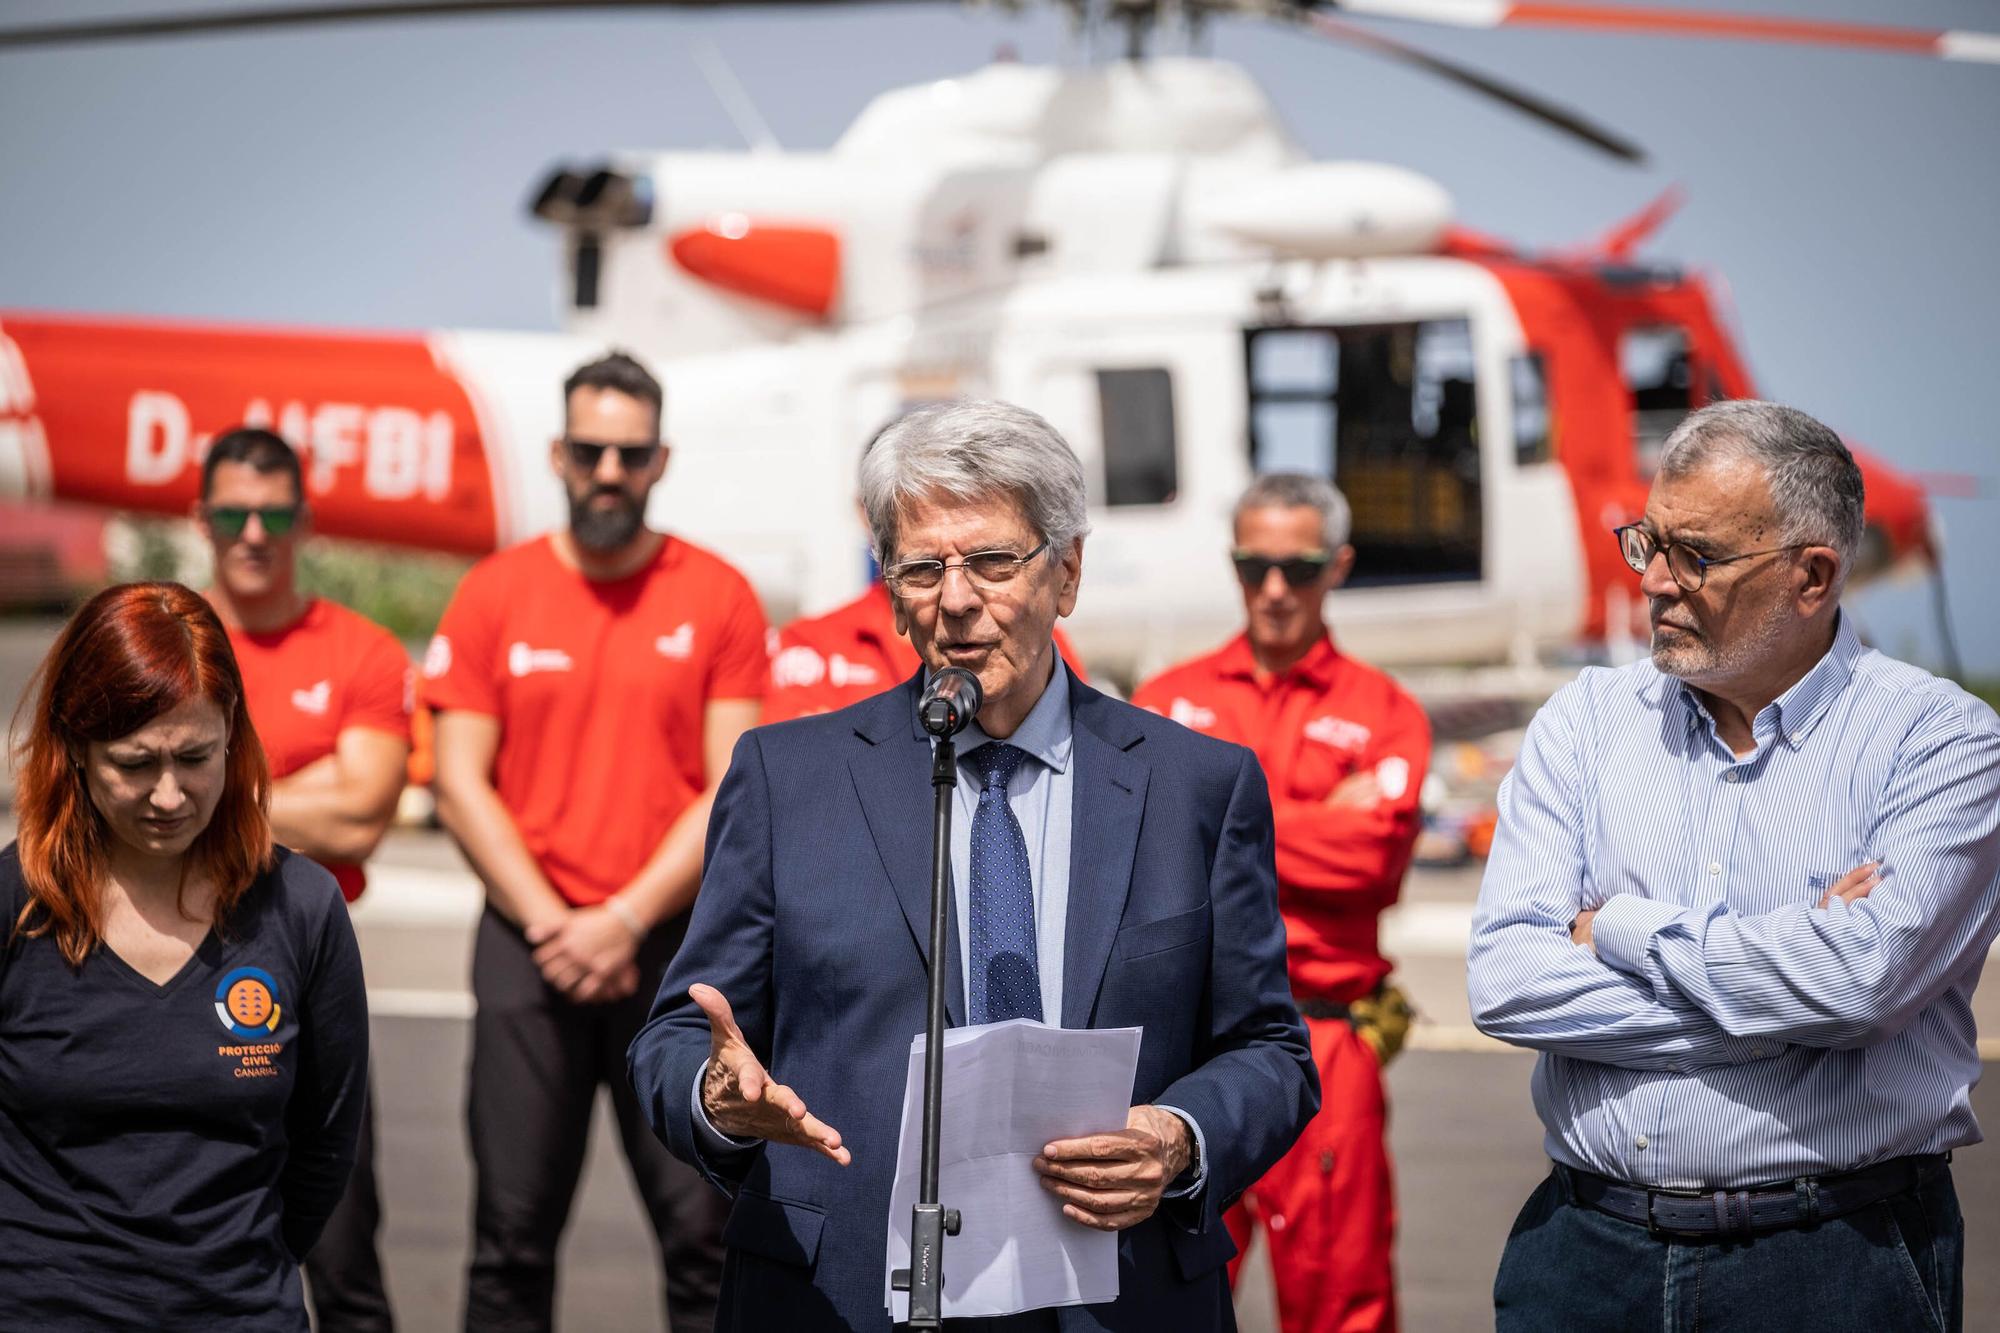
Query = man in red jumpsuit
x=1345 y=752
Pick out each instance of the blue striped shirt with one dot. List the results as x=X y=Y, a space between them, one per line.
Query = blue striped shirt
x=1728 y=1031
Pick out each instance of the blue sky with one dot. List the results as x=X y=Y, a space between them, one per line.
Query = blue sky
x=375 y=177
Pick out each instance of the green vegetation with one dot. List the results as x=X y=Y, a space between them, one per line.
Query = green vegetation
x=403 y=591
x=1987 y=689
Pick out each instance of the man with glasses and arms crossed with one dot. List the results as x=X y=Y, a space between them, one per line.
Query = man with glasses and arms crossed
x=330 y=694
x=1344 y=750
x=589 y=686
x=1739 y=898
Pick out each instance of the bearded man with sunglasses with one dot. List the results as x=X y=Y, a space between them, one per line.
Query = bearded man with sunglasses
x=589 y=687
x=330 y=694
x=1345 y=751
x=1739 y=898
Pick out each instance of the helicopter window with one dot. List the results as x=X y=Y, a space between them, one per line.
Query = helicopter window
x=1657 y=375
x=1533 y=436
x=1136 y=412
x=1386 y=411
x=588 y=262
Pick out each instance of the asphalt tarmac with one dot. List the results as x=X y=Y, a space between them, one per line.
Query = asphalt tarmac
x=1465 y=1140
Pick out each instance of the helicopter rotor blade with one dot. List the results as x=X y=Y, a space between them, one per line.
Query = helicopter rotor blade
x=1539 y=108
x=257 y=20
x=1660 y=21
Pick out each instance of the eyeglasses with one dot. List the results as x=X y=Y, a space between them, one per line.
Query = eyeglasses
x=986 y=569
x=631 y=457
x=230 y=520
x=1688 y=566
x=1299 y=570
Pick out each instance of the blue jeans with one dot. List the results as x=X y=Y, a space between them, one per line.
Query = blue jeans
x=1893 y=1266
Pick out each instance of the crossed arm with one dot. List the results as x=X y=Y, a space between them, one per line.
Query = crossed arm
x=337 y=808
x=1665 y=987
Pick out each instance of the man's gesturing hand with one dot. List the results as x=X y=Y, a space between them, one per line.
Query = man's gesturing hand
x=742 y=1099
x=1113 y=1181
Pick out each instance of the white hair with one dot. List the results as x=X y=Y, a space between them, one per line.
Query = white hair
x=974 y=449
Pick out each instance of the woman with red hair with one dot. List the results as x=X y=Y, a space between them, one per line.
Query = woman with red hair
x=183 y=1032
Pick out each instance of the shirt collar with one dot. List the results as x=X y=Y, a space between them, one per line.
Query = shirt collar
x=1793 y=714
x=1046 y=733
x=1317 y=668
x=1801 y=707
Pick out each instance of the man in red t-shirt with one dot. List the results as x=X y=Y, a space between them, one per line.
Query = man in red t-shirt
x=329 y=692
x=589 y=688
x=1344 y=751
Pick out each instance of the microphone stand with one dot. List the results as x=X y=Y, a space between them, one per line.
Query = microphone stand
x=931 y=1221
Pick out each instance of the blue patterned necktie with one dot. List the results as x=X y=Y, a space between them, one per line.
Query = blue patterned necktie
x=1004 y=982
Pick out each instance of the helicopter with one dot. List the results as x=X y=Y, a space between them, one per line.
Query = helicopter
x=1135 y=248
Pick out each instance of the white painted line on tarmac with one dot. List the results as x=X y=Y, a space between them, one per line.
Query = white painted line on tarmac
x=412 y=896
x=393 y=1002
x=1427 y=930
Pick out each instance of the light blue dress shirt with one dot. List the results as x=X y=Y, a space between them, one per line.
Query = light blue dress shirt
x=1728 y=1031
x=1041 y=795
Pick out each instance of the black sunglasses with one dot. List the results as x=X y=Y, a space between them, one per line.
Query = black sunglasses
x=1298 y=571
x=631 y=457
x=230 y=520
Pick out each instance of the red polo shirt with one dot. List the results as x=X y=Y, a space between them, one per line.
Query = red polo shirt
x=1312 y=725
x=329 y=670
x=600 y=688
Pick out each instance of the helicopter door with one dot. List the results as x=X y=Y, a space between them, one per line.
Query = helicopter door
x=1386 y=411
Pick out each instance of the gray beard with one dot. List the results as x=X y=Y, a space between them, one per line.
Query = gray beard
x=603 y=530
x=1699 y=660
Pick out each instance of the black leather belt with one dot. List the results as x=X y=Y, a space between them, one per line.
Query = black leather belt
x=1321 y=1009
x=1774 y=1207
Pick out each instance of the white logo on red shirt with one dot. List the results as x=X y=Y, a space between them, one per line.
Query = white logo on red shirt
x=525 y=661
x=1190 y=714
x=314 y=700
x=798 y=667
x=1339 y=733
x=437 y=657
x=844 y=673
x=679 y=645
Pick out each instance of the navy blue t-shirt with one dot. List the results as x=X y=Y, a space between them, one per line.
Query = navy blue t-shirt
x=167 y=1153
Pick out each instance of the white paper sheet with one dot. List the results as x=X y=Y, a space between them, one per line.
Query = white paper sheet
x=1010 y=1088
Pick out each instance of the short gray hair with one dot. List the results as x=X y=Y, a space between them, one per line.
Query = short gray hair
x=973 y=449
x=1299 y=490
x=1815 y=485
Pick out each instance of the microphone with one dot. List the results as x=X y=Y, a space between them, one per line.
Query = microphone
x=951 y=699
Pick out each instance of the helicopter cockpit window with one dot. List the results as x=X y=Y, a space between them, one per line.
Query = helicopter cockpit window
x=1388 y=412
x=1136 y=412
x=1534 y=433
x=1655 y=364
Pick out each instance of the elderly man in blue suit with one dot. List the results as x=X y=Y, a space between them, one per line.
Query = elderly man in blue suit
x=1111 y=869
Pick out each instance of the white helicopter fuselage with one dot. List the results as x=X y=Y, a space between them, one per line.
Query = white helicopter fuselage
x=1105 y=245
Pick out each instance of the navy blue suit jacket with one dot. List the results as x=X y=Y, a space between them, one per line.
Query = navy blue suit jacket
x=813 y=919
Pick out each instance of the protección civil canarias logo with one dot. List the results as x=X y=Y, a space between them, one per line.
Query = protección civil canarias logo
x=246 y=1001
